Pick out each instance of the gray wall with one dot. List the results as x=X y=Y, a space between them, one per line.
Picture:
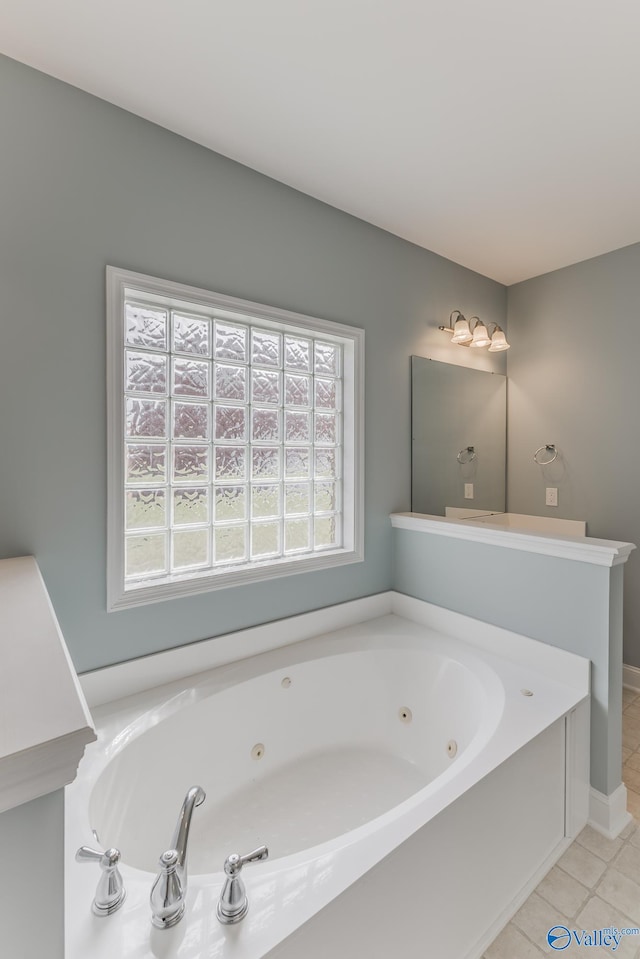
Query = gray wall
x=85 y=184
x=31 y=880
x=574 y=381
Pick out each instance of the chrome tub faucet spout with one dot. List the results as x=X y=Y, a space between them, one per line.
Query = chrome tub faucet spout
x=169 y=891
x=195 y=797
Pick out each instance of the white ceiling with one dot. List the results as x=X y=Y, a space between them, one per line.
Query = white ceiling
x=502 y=134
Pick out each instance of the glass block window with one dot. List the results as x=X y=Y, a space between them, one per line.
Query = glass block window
x=235 y=441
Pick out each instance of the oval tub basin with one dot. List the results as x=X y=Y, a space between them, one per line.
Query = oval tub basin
x=294 y=758
x=339 y=753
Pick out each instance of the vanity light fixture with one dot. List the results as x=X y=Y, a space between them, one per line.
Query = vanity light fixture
x=480 y=336
x=464 y=335
x=461 y=332
x=498 y=341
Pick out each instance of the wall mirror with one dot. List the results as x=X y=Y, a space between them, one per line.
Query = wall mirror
x=458 y=437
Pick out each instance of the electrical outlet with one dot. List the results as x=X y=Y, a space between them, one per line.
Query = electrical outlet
x=552 y=496
x=468 y=490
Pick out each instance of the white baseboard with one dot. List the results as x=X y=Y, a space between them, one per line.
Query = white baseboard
x=608 y=814
x=631 y=677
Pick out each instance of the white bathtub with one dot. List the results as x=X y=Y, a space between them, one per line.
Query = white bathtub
x=386 y=739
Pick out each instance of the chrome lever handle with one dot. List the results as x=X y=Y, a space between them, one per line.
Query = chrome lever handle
x=233 y=903
x=258 y=855
x=110 y=893
x=234 y=863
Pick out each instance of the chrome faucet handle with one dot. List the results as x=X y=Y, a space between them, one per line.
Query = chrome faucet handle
x=233 y=903
x=110 y=893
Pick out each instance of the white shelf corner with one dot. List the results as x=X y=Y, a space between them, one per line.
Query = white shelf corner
x=45 y=723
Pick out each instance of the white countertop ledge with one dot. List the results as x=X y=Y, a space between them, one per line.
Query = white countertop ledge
x=581 y=549
x=44 y=720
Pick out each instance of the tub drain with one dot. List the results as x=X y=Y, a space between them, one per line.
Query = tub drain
x=404 y=714
x=258 y=751
x=452 y=748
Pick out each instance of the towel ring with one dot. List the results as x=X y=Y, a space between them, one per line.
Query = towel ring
x=550 y=448
x=470 y=450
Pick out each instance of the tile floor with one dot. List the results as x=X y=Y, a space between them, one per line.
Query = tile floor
x=595 y=884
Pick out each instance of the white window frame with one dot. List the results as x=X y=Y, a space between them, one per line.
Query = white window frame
x=123 y=284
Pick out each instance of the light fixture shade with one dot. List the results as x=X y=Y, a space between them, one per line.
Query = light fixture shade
x=480 y=335
x=498 y=341
x=462 y=333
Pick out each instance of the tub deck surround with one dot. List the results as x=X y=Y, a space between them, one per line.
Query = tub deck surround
x=327 y=707
x=44 y=721
x=124 y=679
